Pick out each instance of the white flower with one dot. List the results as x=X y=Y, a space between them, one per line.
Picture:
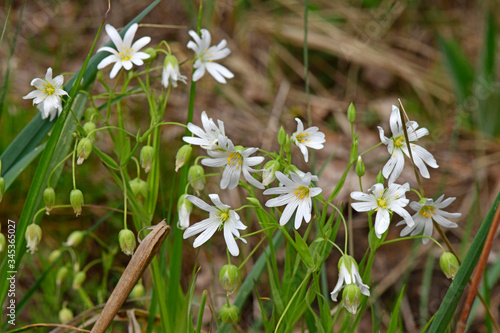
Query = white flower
x=126 y=53
x=33 y=236
x=428 y=210
x=171 y=73
x=220 y=216
x=208 y=137
x=234 y=162
x=206 y=55
x=396 y=145
x=296 y=194
x=348 y=274
x=48 y=94
x=384 y=202
x=309 y=137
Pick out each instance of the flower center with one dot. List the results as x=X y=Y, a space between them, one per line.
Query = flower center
x=426 y=211
x=48 y=88
x=382 y=203
x=302 y=192
x=399 y=141
x=302 y=137
x=235 y=159
x=224 y=215
x=126 y=54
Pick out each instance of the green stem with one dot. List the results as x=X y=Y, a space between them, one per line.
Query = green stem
x=413 y=237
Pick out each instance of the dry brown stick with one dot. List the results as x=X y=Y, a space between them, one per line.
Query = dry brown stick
x=479 y=273
x=140 y=260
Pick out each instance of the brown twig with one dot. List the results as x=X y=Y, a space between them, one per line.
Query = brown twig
x=477 y=277
x=140 y=260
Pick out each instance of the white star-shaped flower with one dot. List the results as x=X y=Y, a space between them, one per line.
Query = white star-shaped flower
x=428 y=210
x=310 y=137
x=48 y=94
x=220 y=216
x=126 y=53
x=171 y=73
x=208 y=136
x=396 y=146
x=348 y=274
x=384 y=202
x=296 y=194
x=234 y=162
x=206 y=55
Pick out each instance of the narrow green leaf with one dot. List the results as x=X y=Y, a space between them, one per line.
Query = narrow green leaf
x=20 y=165
x=303 y=250
x=106 y=159
x=449 y=304
x=393 y=326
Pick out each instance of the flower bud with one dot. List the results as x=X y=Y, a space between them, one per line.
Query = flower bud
x=380 y=178
x=254 y=201
x=61 y=275
x=91 y=114
x=183 y=156
x=230 y=278
x=54 y=255
x=351 y=297
x=196 y=176
x=65 y=315
x=89 y=128
x=75 y=238
x=287 y=146
x=49 y=197
x=152 y=54
x=2 y=243
x=354 y=150
x=360 y=167
x=351 y=113
x=2 y=188
x=147 y=156
x=79 y=279
x=184 y=208
x=76 y=200
x=269 y=173
x=449 y=264
x=281 y=136
x=229 y=314
x=126 y=238
x=138 y=290
x=83 y=150
x=140 y=188
x=33 y=236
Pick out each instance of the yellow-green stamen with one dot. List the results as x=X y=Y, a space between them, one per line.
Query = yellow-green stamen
x=426 y=211
x=235 y=159
x=302 y=192
x=302 y=137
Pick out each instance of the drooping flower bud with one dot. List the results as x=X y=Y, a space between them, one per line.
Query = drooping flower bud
x=91 y=114
x=351 y=297
x=74 y=238
x=449 y=264
x=229 y=314
x=171 y=73
x=126 y=238
x=183 y=156
x=351 y=113
x=138 y=290
x=89 y=128
x=54 y=255
x=254 y=201
x=79 y=279
x=196 y=176
x=76 y=200
x=140 y=188
x=2 y=242
x=33 y=236
x=360 y=167
x=83 y=150
x=268 y=175
x=184 y=208
x=230 y=278
x=152 y=54
x=147 y=156
x=49 y=197
x=65 y=315
x=61 y=275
